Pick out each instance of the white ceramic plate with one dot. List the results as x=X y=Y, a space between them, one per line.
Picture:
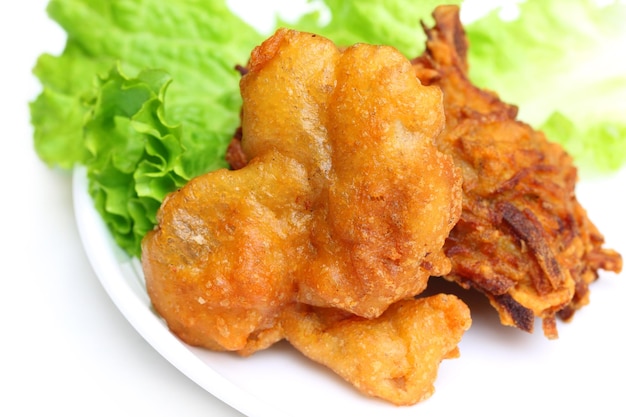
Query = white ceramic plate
x=499 y=368
x=501 y=371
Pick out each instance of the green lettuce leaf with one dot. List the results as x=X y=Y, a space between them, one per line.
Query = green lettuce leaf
x=134 y=155
x=197 y=42
x=562 y=63
x=57 y=113
x=138 y=146
x=388 y=22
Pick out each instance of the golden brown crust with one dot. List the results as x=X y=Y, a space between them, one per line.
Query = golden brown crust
x=341 y=203
x=523 y=239
x=213 y=266
x=395 y=356
x=345 y=201
x=362 y=125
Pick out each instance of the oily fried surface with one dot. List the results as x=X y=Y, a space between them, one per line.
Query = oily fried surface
x=523 y=238
x=344 y=201
x=362 y=125
x=395 y=356
x=218 y=268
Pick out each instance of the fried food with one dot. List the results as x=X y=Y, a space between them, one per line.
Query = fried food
x=523 y=238
x=395 y=356
x=344 y=204
x=362 y=126
x=220 y=266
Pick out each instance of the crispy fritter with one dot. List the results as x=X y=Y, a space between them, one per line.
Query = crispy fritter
x=362 y=126
x=523 y=238
x=395 y=356
x=220 y=266
x=345 y=202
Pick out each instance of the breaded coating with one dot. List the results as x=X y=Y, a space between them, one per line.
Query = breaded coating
x=523 y=238
x=385 y=198
x=220 y=266
x=395 y=356
x=344 y=203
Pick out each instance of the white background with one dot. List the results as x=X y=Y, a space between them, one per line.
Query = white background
x=66 y=349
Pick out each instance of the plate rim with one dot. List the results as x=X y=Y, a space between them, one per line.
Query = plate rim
x=107 y=265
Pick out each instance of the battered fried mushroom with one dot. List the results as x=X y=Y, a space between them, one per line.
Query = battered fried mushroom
x=344 y=204
x=395 y=356
x=220 y=266
x=523 y=238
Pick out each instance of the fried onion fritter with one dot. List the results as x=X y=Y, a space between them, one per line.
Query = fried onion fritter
x=523 y=238
x=344 y=202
